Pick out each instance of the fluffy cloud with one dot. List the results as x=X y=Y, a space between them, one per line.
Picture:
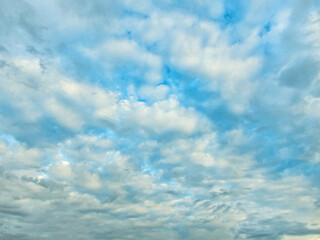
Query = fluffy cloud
x=42 y=96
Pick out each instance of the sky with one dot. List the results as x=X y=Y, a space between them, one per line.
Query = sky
x=152 y=120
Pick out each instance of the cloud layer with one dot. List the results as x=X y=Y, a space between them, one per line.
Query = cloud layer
x=159 y=120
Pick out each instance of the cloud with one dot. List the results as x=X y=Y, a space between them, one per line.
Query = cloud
x=44 y=97
x=275 y=228
x=122 y=53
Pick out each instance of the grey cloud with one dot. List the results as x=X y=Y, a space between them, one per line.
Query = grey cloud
x=9 y=236
x=2 y=63
x=98 y=11
x=12 y=210
x=51 y=185
x=2 y=49
x=275 y=228
x=20 y=22
x=301 y=74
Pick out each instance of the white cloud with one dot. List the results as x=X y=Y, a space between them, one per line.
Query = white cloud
x=118 y=54
x=153 y=93
x=37 y=93
x=201 y=48
x=161 y=117
x=61 y=170
x=89 y=180
x=40 y=93
x=18 y=156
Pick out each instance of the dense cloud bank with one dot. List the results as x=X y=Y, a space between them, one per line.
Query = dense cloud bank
x=159 y=119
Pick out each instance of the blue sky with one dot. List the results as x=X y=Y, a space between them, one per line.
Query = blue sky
x=160 y=119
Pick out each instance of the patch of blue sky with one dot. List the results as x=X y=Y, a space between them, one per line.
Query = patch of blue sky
x=266 y=28
x=296 y=167
x=9 y=139
x=234 y=12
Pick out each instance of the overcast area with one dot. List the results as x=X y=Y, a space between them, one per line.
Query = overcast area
x=159 y=120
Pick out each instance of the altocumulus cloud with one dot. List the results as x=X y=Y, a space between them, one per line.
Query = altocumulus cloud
x=159 y=119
